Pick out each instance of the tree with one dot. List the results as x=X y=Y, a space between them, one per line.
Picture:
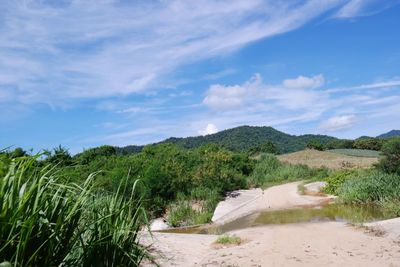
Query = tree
x=59 y=155
x=18 y=152
x=369 y=143
x=391 y=161
x=315 y=144
x=267 y=147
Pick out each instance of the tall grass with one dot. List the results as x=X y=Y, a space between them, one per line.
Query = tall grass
x=47 y=223
x=269 y=170
x=196 y=208
x=371 y=186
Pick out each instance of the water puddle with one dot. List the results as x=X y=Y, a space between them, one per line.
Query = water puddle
x=331 y=212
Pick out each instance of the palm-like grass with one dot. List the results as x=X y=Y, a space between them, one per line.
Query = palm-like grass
x=47 y=223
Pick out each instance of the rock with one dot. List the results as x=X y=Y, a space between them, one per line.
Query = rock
x=159 y=224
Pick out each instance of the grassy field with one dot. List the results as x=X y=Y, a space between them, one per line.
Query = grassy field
x=318 y=159
x=356 y=152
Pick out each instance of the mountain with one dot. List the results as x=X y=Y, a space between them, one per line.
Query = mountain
x=244 y=138
x=390 y=134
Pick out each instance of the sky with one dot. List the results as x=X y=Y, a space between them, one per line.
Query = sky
x=83 y=73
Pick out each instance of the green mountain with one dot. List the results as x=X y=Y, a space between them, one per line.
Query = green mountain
x=392 y=133
x=244 y=138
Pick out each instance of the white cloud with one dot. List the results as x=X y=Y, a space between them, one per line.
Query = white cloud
x=253 y=92
x=210 y=129
x=358 y=8
x=221 y=97
x=302 y=82
x=118 y=48
x=338 y=123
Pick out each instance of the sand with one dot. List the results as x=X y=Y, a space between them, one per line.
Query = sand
x=276 y=197
x=303 y=244
x=309 y=244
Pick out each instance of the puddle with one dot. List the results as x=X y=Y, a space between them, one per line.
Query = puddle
x=331 y=212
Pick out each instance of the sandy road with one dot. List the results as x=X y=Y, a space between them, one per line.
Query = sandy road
x=305 y=244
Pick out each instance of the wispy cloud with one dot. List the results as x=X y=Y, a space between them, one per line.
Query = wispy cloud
x=53 y=52
x=359 y=8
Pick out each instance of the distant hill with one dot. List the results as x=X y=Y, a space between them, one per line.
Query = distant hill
x=244 y=138
x=392 y=133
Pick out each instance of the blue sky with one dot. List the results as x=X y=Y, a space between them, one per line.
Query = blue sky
x=84 y=73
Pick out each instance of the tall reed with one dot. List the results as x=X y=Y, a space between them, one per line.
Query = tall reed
x=44 y=222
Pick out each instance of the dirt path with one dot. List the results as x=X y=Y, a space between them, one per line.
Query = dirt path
x=305 y=244
x=310 y=244
x=276 y=197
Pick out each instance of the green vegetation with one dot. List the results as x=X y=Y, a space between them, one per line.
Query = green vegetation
x=390 y=134
x=380 y=185
x=357 y=152
x=229 y=240
x=245 y=138
x=369 y=143
x=391 y=152
x=336 y=180
x=47 y=222
x=269 y=170
x=267 y=147
x=315 y=144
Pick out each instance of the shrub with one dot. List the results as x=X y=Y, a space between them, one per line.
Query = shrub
x=391 y=161
x=229 y=240
x=336 y=180
x=369 y=143
x=270 y=170
x=315 y=144
x=371 y=186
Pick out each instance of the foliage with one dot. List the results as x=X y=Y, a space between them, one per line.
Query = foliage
x=390 y=134
x=59 y=155
x=370 y=186
x=166 y=169
x=244 y=138
x=267 y=147
x=369 y=143
x=196 y=208
x=90 y=154
x=229 y=240
x=315 y=144
x=336 y=180
x=48 y=223
x=357 y=152
x=390 y=163
x=340 y=144
x=270 y=170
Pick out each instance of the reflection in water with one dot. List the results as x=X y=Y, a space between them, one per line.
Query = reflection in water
x=332 y=212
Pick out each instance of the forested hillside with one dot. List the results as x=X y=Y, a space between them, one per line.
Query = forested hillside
x=244 y=138
x=392 y=133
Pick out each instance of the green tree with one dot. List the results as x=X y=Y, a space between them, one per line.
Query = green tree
x=267 y=147
x=59 y=155
x=391 y=161
x=369 y=143
x=18 y=152
x=315 y=144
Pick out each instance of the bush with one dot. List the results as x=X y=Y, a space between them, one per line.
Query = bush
x=270 y=170
x=336 y=180
x=371 y=186
x=229 y=240
x=369 y=143
x=390 y=163
x=315 y=144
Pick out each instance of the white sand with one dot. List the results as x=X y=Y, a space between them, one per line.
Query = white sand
x=249 y=201
x=305 y=244
x=310 y=244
